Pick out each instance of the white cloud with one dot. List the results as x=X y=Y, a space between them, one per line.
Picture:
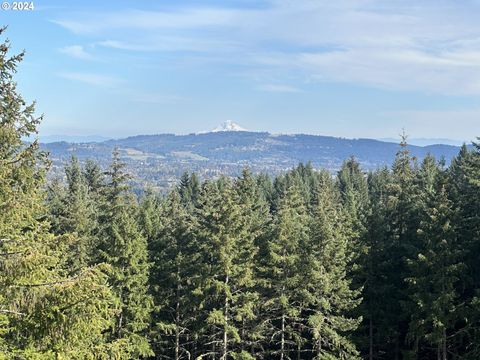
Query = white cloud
x=138 y=19
x=121 y=45
x=92 y=79
x=279 y=88
x=428 y=46
x=76 y=51
x=168 y=43
x=399 y=69
x=155 y=98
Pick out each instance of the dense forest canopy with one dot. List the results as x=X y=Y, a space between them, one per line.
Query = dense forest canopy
x=306 y=265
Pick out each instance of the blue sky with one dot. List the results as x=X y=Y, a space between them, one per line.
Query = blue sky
x=350 y=68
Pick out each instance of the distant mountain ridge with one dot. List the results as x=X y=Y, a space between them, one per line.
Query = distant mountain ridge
x=73 y=138
x=428 y=141
x=161 y=159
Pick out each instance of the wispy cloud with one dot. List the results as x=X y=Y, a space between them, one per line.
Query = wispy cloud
x=169 y=43
x=155 y=98
x=122 y=45
x=92 y=79
x=424 y=122
x=76 y=51
x=138 y=19
x=428 y=46
x=279 y=88
x=397 y=69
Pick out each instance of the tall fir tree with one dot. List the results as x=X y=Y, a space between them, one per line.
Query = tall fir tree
x=94 y=177
x=174 y=257
x=353 y=187
x=403 y=220
x=189 y=189
x=44 y=314
x=434 y=276
x=376 y=330
x=123 y=246
x=76 y=212
x=255 y=218
x=282 y=277
x=228 y=251
x=464 y=191
x=327 y=288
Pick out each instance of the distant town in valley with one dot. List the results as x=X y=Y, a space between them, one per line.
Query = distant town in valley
x=158 y=161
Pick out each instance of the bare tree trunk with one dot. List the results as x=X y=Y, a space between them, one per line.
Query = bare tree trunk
x=282 y=346
x=195 y=348
x=225 y=327
x=177 y=343
x=444 y=330
x=120 y=316
x=214 y=350
x=120 y=324
x=242 y=336
x=177 y=324
x=282 y=341
x=319 y=347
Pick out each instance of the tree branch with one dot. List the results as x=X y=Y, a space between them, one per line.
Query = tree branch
x=3 y=311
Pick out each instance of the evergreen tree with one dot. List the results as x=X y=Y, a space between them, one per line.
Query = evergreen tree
x=150 y=216
x=255 y=218
x=353 y=189
x=174 y=257
x=78 y=216
x=376 y=330
x=44 y=314
x=402 y=216
x=94 y=177
x=189 y=188
x=327 y=289
x=228 y=252
x=265 y=185
x=283 y=278
x=124 y=248
x=464 y=191
x=435 y=272
x=427 y=177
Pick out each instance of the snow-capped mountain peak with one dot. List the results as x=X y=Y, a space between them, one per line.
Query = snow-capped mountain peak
x=228 y=125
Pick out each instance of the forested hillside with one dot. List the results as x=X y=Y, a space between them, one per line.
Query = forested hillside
x=306 y=265
x=160 y=160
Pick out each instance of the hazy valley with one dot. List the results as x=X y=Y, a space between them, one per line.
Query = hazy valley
x=159 y=160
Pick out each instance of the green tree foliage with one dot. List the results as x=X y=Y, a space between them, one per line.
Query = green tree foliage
x=353 y=187
x=255 y=218
x=376 y=329
x=403 y=220
x=123 y=246
x=189 y=189
x=73 y=210
x=44 y=313
x=174 y=255
x=434 y=276
x=228 y=251
x=464 y=191
x=305 y=265
x=327 y=288
x=283 y=277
